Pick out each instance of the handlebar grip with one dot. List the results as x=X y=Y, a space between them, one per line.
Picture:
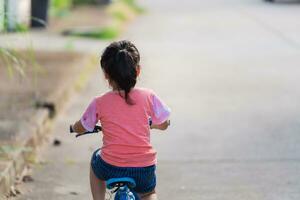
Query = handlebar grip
x=97 y=129
x=71 y=129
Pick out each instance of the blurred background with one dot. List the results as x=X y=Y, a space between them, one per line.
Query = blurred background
x=229 y=70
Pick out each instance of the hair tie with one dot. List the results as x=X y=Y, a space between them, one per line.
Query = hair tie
x=121 y=52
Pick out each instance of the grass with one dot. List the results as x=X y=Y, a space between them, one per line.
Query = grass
x=18 y=62
x=11 y=60
x=6 y=151
x=60 y=8
x=121 y=11
x=134 y=6
x=14 y=60
x=106 y=33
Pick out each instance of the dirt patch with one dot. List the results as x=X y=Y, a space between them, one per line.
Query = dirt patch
x=79 y=17
x=20 y=95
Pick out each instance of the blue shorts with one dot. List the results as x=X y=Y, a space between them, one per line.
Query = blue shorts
x=144 y=177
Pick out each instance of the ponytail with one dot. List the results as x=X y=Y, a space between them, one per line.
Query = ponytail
x=126 y=78
x=120 y=61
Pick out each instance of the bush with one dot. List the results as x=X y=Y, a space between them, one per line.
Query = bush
x=105 y=33
x=80 y=2
x=60 y=7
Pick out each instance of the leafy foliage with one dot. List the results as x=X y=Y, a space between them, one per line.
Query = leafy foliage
x=109 y=32
x=80 y=2
x=60 y=8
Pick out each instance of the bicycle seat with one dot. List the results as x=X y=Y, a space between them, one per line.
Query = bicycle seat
x=119 y=182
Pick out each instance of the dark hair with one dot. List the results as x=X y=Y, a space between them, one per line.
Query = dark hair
x=120 y=61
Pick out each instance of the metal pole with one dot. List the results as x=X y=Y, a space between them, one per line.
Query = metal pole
x=11 y=8
x=2 y=14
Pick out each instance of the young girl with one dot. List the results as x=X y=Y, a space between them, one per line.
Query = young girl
x=124 y=114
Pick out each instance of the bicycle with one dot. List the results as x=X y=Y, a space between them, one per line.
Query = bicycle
x=121 y=187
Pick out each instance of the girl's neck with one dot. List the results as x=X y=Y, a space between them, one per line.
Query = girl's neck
x=113 y=85
x=119 y=90
x=115 y=88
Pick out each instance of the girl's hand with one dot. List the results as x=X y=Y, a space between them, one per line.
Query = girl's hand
x=78 y=128
x=162 y=126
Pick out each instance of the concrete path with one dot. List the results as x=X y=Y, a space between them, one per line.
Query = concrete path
x=229 y=69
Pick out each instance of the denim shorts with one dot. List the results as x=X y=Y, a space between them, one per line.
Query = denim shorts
x=144 y=177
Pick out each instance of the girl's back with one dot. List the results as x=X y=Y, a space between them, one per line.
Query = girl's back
x=126 y=130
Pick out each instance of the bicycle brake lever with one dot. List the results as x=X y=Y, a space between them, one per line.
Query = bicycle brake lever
x=96 y=130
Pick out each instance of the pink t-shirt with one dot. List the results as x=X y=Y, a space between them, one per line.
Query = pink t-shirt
x=126 y=131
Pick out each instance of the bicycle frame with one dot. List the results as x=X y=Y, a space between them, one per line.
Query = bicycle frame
x=122 y=186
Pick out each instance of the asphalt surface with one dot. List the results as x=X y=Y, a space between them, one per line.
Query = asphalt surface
x=230 y=72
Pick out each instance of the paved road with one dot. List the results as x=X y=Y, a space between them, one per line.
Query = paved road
x=229 y=69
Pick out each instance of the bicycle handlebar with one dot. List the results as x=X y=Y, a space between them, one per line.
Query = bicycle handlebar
x=96 y=130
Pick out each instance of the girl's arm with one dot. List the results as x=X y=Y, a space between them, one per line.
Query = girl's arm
x=88 y=120
x=160 y=114
x=162 y=126
x=78 y=128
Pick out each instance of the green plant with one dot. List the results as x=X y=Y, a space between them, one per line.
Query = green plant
x=21 y=28
x=18 y=27
x=16 y=62
x=69 y=45
x=31 y=59
x=134 y=5
x=124 y=10
x=106 y=33
x=22 y=65
x=121 y=11
x=11 y=60
x=80 y=2
x=61 y=8
x=9 y=149
x=120 y=15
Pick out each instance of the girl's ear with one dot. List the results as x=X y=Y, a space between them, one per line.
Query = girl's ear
x=138 y=70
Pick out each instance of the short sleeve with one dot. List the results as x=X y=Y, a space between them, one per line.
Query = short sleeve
x=90 y=117
x=161 y=112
